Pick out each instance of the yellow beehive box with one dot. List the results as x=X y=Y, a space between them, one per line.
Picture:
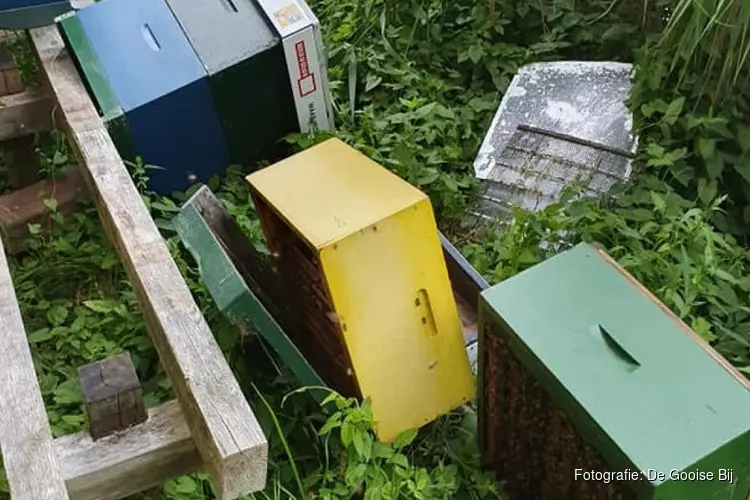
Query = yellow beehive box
x=359 y=252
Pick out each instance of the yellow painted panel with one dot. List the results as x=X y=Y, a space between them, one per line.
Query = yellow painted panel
x=391 y=290
x=331 y=190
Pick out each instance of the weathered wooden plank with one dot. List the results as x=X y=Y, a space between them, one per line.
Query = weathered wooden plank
x=24 y=206
x=25 y=113
x=22 y=116
x=224 y=428
x=129 y=462
x=10 y=79
x=25 y=438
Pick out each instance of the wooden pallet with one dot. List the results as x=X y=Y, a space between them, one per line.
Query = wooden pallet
x=210 y=425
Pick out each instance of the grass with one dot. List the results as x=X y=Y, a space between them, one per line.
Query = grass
x=414 y=86
x=713 y=36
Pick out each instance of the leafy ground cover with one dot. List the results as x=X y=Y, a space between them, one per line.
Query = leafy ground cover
x=415 y=85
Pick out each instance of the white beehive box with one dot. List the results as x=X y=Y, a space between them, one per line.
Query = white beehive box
x=557 y=123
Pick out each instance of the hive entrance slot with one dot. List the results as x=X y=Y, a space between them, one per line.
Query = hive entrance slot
x=425 y=309
x=618 y=352
x=229 y=5
x=151 y=40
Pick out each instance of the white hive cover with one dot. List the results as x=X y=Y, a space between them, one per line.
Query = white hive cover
x=574 y=126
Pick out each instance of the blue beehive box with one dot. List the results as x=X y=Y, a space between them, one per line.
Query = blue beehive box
x=25 y=14
x=151 y=88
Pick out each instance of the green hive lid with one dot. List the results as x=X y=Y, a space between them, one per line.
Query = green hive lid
x=659 y=397
x=224 y=32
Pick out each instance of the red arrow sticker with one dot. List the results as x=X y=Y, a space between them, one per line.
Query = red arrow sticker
x=306 y=82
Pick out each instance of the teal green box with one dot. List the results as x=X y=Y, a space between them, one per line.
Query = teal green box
x=591 y=389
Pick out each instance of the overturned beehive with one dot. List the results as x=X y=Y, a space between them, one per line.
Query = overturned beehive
x=591 y=389
x=558 y=123
x=360 y=257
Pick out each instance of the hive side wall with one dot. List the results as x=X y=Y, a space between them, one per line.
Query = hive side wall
x=533 y=435
x=391 y=289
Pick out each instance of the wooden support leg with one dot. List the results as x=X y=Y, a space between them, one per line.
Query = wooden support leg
x=130 y=462
x=6 y=65
x=18 y=153
x=112 y=395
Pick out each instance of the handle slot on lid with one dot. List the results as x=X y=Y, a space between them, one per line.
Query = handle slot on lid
x=151 y=40
x=625 y=359
x=427 y=317
x=229 y=5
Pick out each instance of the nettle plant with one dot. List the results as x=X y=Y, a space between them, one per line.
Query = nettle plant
x=667 y=242
x=691 y=100
x=355 y=465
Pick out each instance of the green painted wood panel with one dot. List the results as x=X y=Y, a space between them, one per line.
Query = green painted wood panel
x=643 y=391
x=97 y=84
x=197 y=224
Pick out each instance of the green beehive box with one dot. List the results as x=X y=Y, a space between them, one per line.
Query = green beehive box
x=257 y=92
x=590 y=389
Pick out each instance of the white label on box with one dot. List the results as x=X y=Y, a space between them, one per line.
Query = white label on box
x=305 y=75
x=287 y=16
x=298 y=28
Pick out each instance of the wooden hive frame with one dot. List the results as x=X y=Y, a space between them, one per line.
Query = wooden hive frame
x=299 y=264
x=210 y=425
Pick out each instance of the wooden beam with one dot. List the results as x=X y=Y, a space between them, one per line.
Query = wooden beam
x=131 y=461
x=25 y=437
x=224 y=428
x=26 y=113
